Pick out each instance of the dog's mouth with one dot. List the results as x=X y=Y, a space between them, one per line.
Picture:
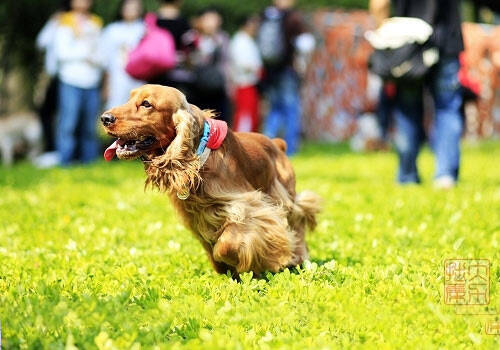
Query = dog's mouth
x=130 y=148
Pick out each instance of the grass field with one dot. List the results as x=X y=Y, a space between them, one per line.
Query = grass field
x=88 y=259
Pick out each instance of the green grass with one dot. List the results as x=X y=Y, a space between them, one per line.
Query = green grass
x=88 y=259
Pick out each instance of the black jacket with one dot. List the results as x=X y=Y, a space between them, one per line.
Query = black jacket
x=443 y=15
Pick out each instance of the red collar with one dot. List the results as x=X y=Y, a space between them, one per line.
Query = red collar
x=218 y=132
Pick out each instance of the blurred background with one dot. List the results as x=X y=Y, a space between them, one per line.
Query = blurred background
x=339 y=97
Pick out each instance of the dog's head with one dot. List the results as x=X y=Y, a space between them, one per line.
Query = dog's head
x=149 y=122
x=160 y=126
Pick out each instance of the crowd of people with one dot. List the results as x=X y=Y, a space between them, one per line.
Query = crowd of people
x=87 y=63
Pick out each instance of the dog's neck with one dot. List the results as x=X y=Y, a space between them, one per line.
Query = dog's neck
x=214 y=133
x=177 y=169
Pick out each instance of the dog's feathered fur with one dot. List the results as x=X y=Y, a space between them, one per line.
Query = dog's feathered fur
x=242 y=206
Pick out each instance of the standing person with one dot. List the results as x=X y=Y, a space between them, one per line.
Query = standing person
x=118 y=39
x=444 y=86
x=281 y=26
x=170 y=18
x=76 y=45
x=212 y=64
x=246 y=69
x=48 y=109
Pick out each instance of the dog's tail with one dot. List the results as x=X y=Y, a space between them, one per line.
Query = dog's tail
x=308 y=205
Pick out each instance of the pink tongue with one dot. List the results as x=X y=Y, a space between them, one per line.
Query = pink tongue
x=110 y=152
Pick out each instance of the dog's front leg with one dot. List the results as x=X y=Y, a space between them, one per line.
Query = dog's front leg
x=219 y=266
x=226 y=249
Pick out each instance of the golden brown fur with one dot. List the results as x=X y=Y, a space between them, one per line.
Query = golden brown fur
x=242 y=204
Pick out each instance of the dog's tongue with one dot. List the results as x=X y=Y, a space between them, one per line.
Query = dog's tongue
x=110 y=152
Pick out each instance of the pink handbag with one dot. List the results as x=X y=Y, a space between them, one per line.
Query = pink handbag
x=155 y=54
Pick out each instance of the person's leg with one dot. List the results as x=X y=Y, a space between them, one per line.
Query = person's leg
x=47 y=112
x=273 y=122
x=253 y=101
x=385 y=109
x=70 y=100
x=238 y=112
x=448 y=123
x=408 y=117
x=291 y=103
x=246 y=116
x=242 y=118
x=88 y=141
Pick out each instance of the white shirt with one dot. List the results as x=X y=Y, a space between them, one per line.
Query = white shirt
x=117 y=40
x=45 y=41
x=78 y=56
x=246 y=62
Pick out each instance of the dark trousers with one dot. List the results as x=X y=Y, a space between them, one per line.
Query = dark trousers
x=48 y=112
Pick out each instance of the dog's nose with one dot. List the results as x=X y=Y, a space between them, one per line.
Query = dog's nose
x=107 y=119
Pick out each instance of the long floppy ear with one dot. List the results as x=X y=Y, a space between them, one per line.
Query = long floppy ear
x=177 y=170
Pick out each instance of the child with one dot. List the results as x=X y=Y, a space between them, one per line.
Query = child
x=76 y=47
x=246 y=67
x=118 y=39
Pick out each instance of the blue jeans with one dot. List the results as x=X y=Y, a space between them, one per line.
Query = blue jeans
x=448 y=123
x=284 y=97
x=74 y=103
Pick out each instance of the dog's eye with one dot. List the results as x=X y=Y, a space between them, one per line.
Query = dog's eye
x=146 y=104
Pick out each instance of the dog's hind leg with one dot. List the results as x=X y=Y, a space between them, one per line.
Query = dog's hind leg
x=256 y=236
x=301 y=210
x=302 y=216
x=301 y=252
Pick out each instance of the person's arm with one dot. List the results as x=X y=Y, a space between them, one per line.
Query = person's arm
x=106 y=46
x=46 y=36
x=380 y=9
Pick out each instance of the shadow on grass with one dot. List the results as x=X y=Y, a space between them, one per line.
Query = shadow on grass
x=297 y=270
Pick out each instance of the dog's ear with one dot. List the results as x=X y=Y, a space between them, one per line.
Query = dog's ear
x=177 y=170
x=199 y=115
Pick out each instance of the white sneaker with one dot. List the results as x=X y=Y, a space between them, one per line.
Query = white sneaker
x=445 y=183
x=47 y=160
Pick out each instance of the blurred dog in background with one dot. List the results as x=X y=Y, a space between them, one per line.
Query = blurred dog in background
x=20 y=133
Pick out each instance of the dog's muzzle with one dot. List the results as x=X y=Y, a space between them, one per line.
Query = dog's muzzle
x=107 y=119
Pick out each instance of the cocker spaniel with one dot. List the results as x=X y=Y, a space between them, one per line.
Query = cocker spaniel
x=234 y=191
